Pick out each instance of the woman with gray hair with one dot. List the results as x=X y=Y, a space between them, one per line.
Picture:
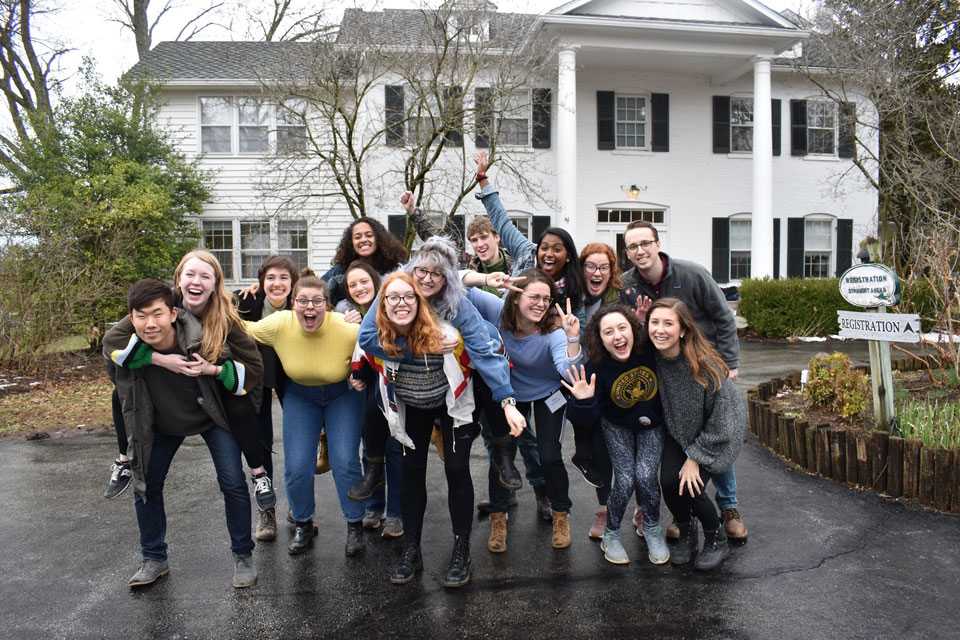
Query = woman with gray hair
x=434 y=268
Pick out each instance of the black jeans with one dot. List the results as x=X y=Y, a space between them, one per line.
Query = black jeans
x=244 y=424
x=590 y=438
x=456 y=466
x=118 y=424
x=549 y=426
x=265 y=422
x=499 y=430
x=682 y=506
x=375 y=429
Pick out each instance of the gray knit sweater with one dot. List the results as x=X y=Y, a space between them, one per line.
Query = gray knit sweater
x=708 y=425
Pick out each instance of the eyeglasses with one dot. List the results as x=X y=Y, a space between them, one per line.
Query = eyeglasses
x=646 y=244
x=602 y=268
x=306 y=302
x=422 y=272
x=534 y=299
x=394 y=299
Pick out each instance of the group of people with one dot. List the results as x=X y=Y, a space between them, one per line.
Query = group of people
x=386 y=353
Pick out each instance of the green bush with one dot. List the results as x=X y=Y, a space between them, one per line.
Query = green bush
x=833 y=384
x=792 y=307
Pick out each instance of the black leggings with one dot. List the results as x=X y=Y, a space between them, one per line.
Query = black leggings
x=549 y=427
x=591 y=439
x=682 y=506
x=456 y=465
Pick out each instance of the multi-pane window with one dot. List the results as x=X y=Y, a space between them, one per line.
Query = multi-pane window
x=817 y=246
x=625 y=216
x=515 y=119
x=292 y=241
x=254 y=125
x=741 y=124
x=631 y=122
x=254 y=247
x=821 y=127
x=739 y=249
x=216 y=125
x=217 y=238
x=291 y=126
x=522 y=223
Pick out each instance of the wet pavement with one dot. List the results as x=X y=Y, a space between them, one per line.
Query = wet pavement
x=822 y=561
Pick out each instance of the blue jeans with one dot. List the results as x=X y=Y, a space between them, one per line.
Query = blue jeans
x=151 y=515
x=527 y=445
x=393 y=464
x=726 y=485
x=306 y=410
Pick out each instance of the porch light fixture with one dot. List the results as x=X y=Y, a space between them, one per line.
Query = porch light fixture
x=634 y=190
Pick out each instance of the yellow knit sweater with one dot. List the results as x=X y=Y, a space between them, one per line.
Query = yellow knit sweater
x=312 y=359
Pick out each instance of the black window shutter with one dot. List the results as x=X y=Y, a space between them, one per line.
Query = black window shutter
x=721 y=249
x=775 y=120
x=846 y=130
x=721 y=124
x=798 y=130
x=484 y=116
x=457 y=228
x=660 y=106
x=844 y=245
x=394 y=114
x=606 y=122
x=776 y=248
x=794 y=247
x=397 y=225
x=540 y=224
x=454 y=119
x=541 y=119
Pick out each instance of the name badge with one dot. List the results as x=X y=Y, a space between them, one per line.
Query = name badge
x=556 y=401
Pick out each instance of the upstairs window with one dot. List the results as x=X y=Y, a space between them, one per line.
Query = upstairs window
x=741 y=124
x=247 y=125
x=515 y=119
x=216 y=124
x=631 y=122
x=821 y=128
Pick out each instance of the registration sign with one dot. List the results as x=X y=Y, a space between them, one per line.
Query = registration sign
x=870 y=285
x=888 y=327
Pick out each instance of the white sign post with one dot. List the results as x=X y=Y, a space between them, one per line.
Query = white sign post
x=877 y=287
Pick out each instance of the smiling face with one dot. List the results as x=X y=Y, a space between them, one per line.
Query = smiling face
x=277 y=285
x=154 y=324
x=665 y=331
x=643 y=259
x=429 y=278
x=364 y=240
x=534 y=302
x=404 y=312
x=485 y=246
x=310 y=314
x=616 y=335
x=597 y=271
x=360 y=287
x=552 y=255
x=197 y=282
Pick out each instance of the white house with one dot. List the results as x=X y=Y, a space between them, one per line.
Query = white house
x=687 y=114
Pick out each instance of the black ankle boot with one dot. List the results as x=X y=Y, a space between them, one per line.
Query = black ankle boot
x=685 y=551
x=411 y=560
x=373 y=478
x=715 y=550
x=458 y=573
x=503 y=456
x=355 y=542
x=302 y=537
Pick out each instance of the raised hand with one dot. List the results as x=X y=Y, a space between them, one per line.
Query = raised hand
x=481 y=160
x=570 y=322
x=643 y=306
x=580 y=389
x=406 y=199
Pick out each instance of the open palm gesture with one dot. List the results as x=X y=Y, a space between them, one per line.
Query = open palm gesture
x=580 y=389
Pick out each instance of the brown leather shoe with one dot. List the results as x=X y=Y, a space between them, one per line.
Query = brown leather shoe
x=497 y=543
x=561 y=529
x=267 y=525
x=323 y=455
x=733 y=525
x=673 y=531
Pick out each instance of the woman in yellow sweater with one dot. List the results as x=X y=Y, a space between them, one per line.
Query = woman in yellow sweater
x=315 y=347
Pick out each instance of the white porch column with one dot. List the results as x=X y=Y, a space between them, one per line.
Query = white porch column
x=567 y=138
x=761 y=245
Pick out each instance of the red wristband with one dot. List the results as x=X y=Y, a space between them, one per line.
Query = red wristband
x=481 y=176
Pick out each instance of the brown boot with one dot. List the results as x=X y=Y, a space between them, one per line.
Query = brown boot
x=561 y=529
x=497 y=543
x=267 y=525
x=673 y=531
x=437 y=439
x=733 y=525
x=323 y=455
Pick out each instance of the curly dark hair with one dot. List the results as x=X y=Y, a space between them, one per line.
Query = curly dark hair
x=593 y=343
x=389 y=254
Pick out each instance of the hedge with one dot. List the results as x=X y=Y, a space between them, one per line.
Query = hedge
x=807 y=306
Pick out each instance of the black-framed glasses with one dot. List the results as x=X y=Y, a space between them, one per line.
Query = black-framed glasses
x=602 y=268
x=646 y=244
x=306 y=302
x=423 y=272
x=393 y=299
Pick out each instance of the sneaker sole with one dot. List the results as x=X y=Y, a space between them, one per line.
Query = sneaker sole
x=654 y=560
x=611 y=560
x=391 y=534
x=118 y=493
x=244 y=586
x=143 y=584
x=266 y=537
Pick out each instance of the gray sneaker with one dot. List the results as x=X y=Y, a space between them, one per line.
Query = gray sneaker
x=372 y=518
x=392 y=528
x=613 y=550
x=244 y=573
x=657 y=549
x=120 y=476
x=148 y=572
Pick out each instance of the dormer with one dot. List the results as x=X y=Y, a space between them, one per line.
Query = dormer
x=468 y=18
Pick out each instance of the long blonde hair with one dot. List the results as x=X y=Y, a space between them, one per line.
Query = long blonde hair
x=220 y=312
x=424 y=335
x=706 y=365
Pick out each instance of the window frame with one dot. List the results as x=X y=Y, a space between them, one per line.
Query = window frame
x=505 y=108
x=233 y=271
x=813 y=105
x=272 y=125
x=735 y=272
x=647 y=122
x=810 y=262
x=741 y=125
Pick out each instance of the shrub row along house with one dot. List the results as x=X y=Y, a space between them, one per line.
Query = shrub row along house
x=690 y=115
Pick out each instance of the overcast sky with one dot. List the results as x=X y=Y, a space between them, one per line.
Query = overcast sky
x=85 y=26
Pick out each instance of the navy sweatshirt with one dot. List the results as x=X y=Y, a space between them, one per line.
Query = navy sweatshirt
x=625 y=393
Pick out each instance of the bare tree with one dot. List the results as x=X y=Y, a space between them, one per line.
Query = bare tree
x=135 y=16
x=280 y=20
x=381 y=115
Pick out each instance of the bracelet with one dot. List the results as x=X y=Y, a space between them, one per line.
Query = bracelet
x=481 y=176
x=573 y=339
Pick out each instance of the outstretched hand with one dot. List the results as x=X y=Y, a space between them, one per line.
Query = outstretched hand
x=481 y=160
x=643 y=306
x=580 y=389
x=570 y=322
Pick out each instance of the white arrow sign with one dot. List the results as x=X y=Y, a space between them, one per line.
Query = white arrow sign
x=889 y=327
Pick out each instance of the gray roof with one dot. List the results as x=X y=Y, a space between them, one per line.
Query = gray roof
x=418 y=27
x=200 y=60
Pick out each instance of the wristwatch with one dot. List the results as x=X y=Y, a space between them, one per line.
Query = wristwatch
x=511 y=401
